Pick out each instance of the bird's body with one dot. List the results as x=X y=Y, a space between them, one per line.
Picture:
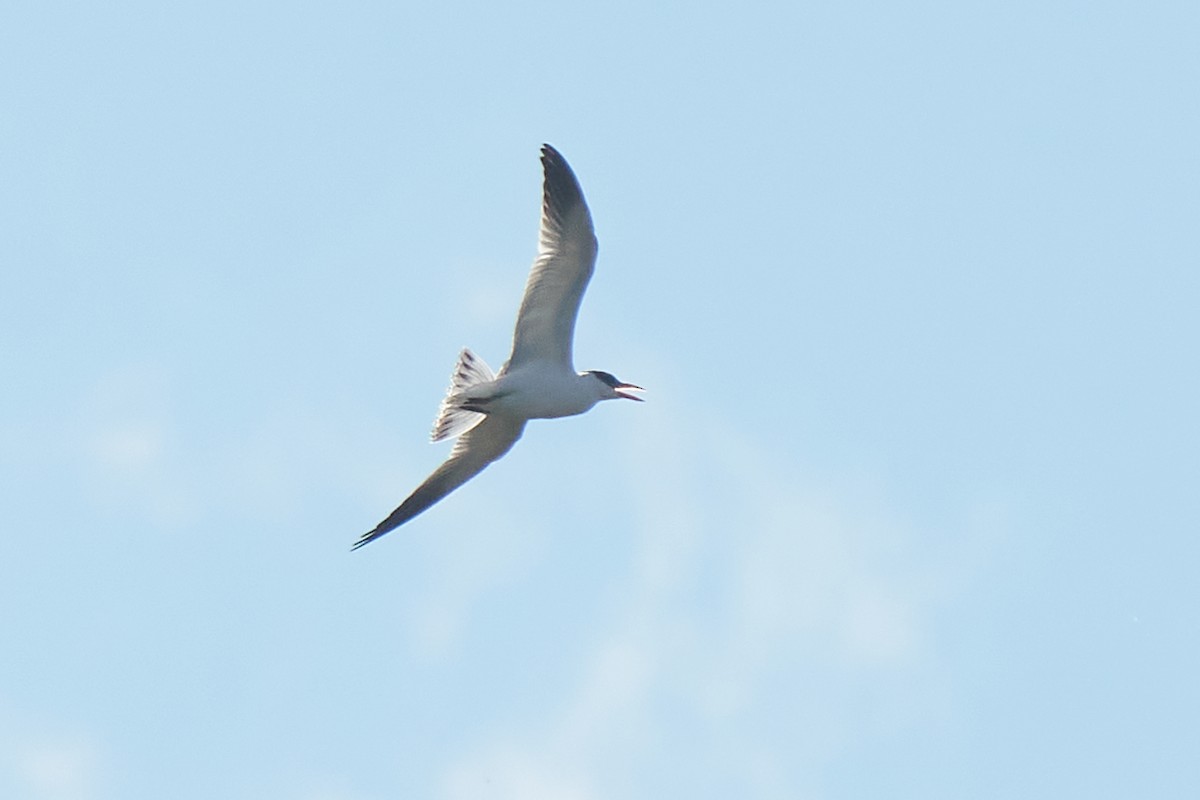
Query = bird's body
x=488 y=412
x=539 y=390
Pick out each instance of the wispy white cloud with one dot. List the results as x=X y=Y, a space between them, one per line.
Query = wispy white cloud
x=59 y=770
x=128 y=449
x=40 y=761
x=507 y=772
x=466 y=568
x=140 y=452
x=752 y=583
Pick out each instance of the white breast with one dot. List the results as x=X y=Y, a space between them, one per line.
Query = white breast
x=543 y=390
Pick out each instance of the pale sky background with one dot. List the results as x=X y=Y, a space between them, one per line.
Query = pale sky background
x=912 y=510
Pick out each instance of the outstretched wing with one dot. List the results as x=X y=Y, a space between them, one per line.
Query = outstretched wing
x=561 y=271
x=473 y=451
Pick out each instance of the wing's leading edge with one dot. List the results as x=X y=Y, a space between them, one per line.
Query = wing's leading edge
x=560 y=274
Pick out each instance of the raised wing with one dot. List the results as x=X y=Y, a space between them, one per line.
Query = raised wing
x=473 y=451
x=561 y=271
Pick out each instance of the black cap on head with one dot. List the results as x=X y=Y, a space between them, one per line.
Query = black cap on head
x=607 y=377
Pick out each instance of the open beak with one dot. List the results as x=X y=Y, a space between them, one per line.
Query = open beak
x=624 y=390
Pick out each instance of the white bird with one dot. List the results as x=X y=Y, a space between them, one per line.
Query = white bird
x=488 y=412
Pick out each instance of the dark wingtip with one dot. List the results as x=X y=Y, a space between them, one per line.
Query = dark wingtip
x=366 y=539
x=552 y=159
x=560 y=187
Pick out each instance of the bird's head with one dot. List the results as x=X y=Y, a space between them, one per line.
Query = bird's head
x=610 y=388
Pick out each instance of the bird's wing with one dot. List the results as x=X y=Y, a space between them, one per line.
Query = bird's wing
x=473 y=451
x=561 y=271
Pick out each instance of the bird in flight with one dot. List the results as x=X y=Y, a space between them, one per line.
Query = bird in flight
x=488 y=412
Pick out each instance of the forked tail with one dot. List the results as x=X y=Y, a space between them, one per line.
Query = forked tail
x=453 y=419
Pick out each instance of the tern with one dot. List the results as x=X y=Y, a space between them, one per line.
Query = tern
x=488 y=412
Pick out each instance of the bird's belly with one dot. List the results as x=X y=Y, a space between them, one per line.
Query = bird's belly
x=538 y=405
x=534 y=396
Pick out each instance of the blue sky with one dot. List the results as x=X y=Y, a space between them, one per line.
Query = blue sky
x=911 y=510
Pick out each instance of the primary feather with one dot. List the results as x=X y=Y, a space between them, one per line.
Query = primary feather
x=560 y=274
